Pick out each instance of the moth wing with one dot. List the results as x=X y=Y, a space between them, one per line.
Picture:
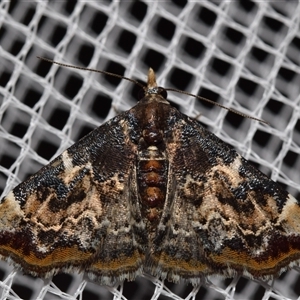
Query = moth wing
x=226 y=217
x=73 y=213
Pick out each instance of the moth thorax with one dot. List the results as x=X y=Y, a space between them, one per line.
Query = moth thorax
x=152 y=177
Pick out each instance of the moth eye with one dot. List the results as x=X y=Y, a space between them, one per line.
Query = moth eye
x=162 y=92
x=141 y=94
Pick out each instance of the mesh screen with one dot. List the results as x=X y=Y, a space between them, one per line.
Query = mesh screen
x=242 y=54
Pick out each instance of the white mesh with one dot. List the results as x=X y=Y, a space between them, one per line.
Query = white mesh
x=242 y=54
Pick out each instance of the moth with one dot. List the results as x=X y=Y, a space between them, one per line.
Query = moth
x=150 y=191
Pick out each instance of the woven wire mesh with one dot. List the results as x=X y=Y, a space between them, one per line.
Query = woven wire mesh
x=242 y=54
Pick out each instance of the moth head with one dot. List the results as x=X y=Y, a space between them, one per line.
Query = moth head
x=152 y=87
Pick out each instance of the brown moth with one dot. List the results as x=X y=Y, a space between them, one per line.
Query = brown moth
x=150 y=191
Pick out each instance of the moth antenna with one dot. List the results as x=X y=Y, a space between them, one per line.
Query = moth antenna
x=153 y=80
x=217 y=104
x=92 y=70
